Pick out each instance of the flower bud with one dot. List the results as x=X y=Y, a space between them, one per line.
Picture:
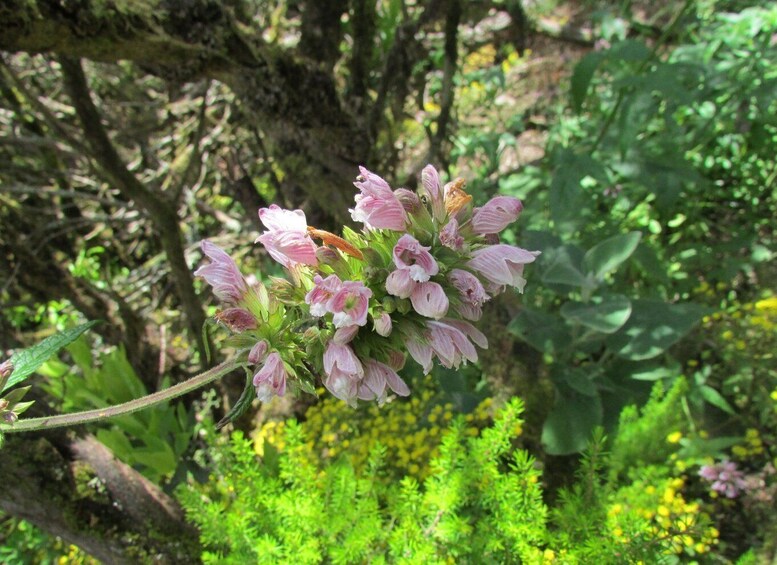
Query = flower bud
x=257 y=353
x=382 y=323
x=409 y=200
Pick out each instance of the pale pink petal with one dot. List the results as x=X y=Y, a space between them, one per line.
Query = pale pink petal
x=496 y=215
x=429 y=299
x=399 y=283
x=502 y=264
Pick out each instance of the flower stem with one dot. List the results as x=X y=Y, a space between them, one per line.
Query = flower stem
x=49 y=422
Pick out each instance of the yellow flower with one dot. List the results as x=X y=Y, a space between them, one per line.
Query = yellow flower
x=674 y=437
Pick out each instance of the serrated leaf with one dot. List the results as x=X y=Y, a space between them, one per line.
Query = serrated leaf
x=607 y=255
x=606 y=316
x=25 y=362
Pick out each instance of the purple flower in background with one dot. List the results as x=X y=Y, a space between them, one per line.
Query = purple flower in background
x=350 y=304
x=270 y=380
x=496 y=215
x=725 y=478
x=286 y=239
x=222 y=274
x=377 y=207
x=502 y=264
x=377 y=376
x=320 y=296
x=411 y=255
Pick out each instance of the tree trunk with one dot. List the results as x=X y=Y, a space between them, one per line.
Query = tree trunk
x=293 y=100
x=74 y=488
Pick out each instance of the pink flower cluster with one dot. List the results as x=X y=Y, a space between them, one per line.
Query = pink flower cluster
x=725 y=478
x=421 y=270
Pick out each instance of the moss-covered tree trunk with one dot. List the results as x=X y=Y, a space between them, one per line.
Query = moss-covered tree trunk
x=73 y=487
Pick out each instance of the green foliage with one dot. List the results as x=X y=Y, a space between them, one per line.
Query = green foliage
x=481 y=502
x=27 y=361
x=21 y=542
x=642 y=433
x=152 y=440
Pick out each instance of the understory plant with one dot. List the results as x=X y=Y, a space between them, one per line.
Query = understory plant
x=481 y=502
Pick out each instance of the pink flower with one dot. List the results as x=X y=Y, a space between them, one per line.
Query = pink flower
x=450 y=341
x=222 y=274
x=399 y=283
x=496 y=215
x=377 y=206
x=449 y=236
x=382 y=324
x=286 y=239
x=258 y=351
x=420 y=351
x=270 y=380
x=429 y=299
x=320 y=296
x=377 y=376
x=237 y=319
x=350 y=304
x=725 y=478
x=471 y=293
x=345 y=334
x=344 y=372
x=410 y=254
x=502 y=264
x=431 y=184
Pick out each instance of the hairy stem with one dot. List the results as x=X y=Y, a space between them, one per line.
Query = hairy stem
x=49 y=422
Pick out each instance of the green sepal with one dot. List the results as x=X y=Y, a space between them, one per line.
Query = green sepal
x=242 y=405
x=15 y=396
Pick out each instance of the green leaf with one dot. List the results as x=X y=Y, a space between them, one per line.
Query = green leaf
x=563 y=267
x=544 y=332
x=715 y=398
x=25 y=362
x=581 y=78
x=607 y=255
x=571 y=422
x=576 y=378
x=700 y=447
x=607 y=315
x=653 y=327
x=243 y=403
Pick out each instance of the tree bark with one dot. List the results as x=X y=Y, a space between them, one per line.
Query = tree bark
x=74 y=488
x=292 y=99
